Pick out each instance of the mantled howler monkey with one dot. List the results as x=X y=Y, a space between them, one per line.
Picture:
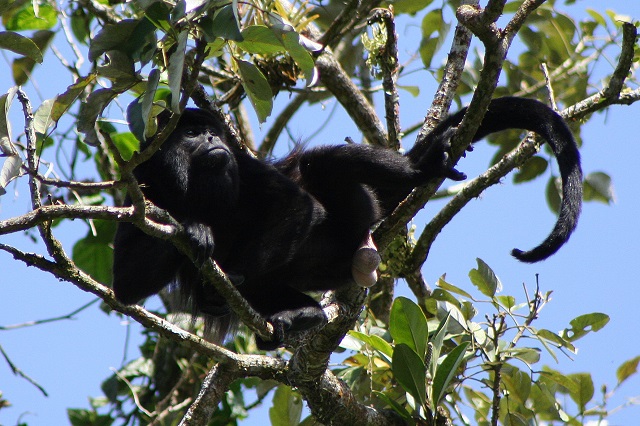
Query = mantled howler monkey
x=280 y=229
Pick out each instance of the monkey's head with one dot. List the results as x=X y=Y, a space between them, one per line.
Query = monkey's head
x=195 y=163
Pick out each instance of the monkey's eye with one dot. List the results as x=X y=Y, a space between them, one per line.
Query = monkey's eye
x=190 y=132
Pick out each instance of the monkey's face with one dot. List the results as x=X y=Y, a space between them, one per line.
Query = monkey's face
x=206 y=150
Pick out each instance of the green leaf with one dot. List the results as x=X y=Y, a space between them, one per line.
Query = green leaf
x=485 y=279
x=287 y=407
x=27 y=18
x=42 y=117
x=81 y=24
x=598 y=187
x=582 y=325
x=21 y=45
x=444 y=296
x=531 y=169
x=433 y=22
x=80 y=417
x=597 y=17
x=23 y=67
x=445 y=372
x=146 y=101
x=300 y=55
x=585 y=390
x=119 y=68
x=260 y=40
x=175 y=68
x=6 y=146
x=89 y=112
x=408 y=325
x=376 y=342
x=257 y=88
x=517 y=383
x=554 y=338
x=627 y=369
x=410 y=7
x=409 y=370
x=566 y=382
x=452 y=288
x=65 y=100
x=398 y=408
x=413 y=90
x=10 y=170
x=94 y=253
x=126 y=143
x=480 y=402
x=529 y=356
x=110 y=37
x=223 y=24
x=552 y=192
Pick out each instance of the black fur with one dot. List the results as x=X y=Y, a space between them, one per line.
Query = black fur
x=285 y=228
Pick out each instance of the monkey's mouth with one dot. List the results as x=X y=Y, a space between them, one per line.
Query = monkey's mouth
x=215 y=157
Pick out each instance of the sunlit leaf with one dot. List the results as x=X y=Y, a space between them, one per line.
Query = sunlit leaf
x=560 y=379
x=585 y=392
x=27 y=18
x=94 y=253
x=485 y=279
x=408 y=325
x=584 y=324
x=598 y=187
x=518 y=383
x=409 y=6
x=6 y=146
x=10 y=170
x=126 y=143
x=64 y=101
x=627 y=369
x=554 y=338
x=452 y=288
x=287 y=407
x=260 y=40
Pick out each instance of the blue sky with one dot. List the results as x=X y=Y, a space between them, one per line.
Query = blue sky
x=595 y=272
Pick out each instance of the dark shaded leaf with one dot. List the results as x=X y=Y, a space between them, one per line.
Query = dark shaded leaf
x=409 y=370
x=445 y=372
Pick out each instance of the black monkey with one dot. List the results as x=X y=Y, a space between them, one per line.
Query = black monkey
x=281 y=229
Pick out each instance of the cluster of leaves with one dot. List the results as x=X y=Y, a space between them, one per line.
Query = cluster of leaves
x=444 y=362
x=419 y=366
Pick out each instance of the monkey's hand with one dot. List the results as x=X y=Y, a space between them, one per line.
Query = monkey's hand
x=437 y=160
x=201 y=239
x=291 y=321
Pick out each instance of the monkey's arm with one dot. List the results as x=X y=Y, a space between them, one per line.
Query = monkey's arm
x=142 y=264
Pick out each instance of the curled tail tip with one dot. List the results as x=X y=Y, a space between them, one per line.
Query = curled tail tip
x=530 y=256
